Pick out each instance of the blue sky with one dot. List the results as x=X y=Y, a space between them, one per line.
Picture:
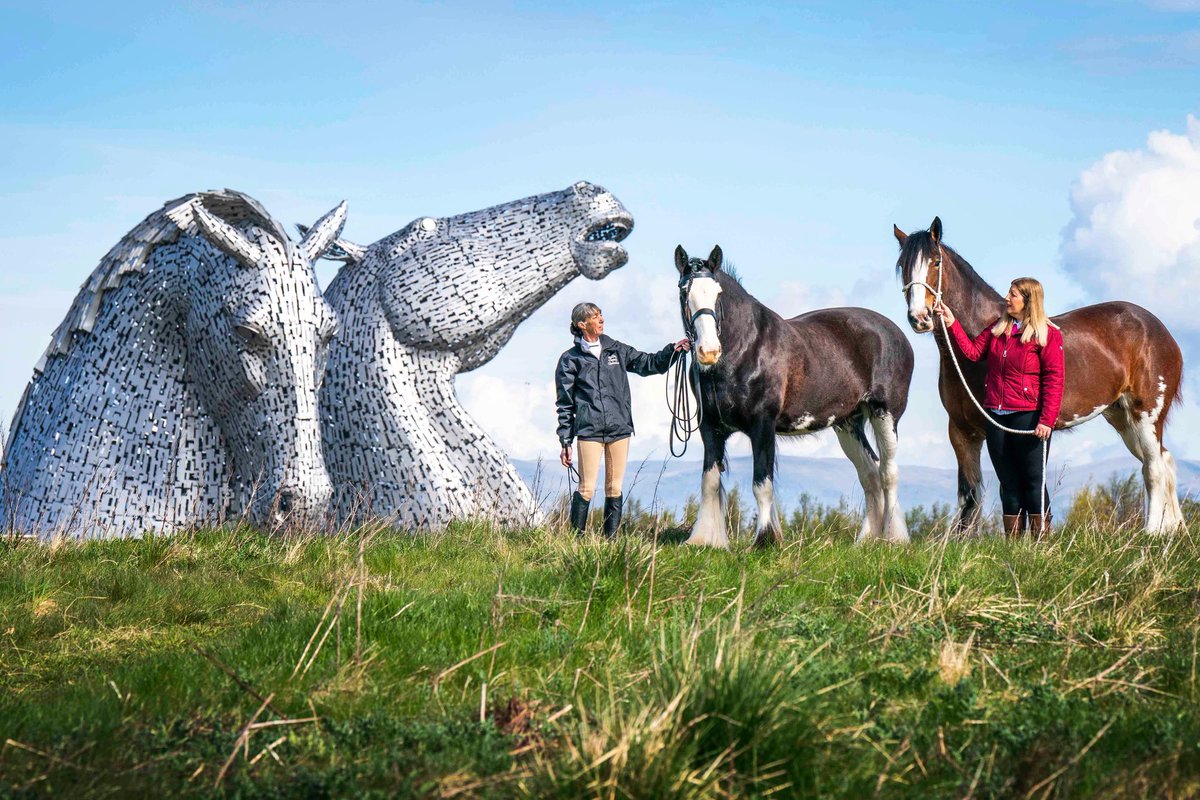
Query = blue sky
x=793 y=137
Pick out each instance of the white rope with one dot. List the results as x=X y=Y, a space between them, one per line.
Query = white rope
x=937 y=293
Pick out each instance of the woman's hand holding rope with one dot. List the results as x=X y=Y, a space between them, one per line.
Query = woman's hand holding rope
x=943 y=311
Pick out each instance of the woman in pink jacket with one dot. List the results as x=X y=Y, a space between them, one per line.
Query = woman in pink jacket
x=1022 y=390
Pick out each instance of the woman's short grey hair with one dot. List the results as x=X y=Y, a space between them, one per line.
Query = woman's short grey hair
x=582 y=313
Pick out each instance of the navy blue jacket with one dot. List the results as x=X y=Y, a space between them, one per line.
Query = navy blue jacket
x=593 y=393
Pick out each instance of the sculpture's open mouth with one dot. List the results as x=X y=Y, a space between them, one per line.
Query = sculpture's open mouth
x=598 y=250
x=609 y=230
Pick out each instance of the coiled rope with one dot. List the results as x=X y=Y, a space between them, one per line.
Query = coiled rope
x=937 y=293
x=679 y=402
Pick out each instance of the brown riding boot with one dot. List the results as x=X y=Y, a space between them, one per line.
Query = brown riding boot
x=1012 y=526
x=1039 y=526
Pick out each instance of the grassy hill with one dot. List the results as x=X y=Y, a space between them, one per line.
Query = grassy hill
x=485 y=663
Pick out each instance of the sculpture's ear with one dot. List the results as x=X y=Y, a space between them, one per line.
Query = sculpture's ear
x=935 y=230
x=227 y=238
x=900 y=235
x=339 y=250
x=681 y=259
x=323 y=233
x=715 y=259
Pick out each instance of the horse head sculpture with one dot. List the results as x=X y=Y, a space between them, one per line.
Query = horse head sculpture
x=438 y=297
x=181 y=388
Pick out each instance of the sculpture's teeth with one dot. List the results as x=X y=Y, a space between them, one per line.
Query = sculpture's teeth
x=609 y=232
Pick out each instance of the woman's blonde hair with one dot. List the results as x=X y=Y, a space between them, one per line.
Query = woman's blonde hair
x=1035 y=323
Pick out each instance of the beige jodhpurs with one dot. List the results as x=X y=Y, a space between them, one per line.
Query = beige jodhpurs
x=589 y=453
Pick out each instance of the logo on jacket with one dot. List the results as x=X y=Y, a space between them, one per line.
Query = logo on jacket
x=612 y=360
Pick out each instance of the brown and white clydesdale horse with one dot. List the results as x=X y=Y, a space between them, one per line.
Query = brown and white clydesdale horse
x=1121 y=361
x=762 y=375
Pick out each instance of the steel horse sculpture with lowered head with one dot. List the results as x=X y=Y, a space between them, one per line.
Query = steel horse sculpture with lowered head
x=181 y=388
x=1120 y=362
x=436 y=298
x=763 y=375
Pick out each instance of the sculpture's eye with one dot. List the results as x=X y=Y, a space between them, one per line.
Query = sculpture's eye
x=250 y=334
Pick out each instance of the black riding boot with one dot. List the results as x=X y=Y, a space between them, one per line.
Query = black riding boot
x=579 y=512
x=612 y=515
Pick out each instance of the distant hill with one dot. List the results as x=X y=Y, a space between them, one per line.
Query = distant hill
x=828 y=480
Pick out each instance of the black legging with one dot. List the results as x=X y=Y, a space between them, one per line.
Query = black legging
x=1017 y=458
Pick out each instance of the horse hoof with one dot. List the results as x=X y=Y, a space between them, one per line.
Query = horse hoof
x=766 y=540
x=694 y=542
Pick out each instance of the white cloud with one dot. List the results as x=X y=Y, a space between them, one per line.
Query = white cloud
x=1135 y=227
x=1135 y=235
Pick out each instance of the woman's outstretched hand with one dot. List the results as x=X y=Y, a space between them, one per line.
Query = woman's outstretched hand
x=1042 y=432
x=565 y=456
x=942 y=311
x=683 y=344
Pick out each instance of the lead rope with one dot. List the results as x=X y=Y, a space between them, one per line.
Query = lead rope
x=679 y=403
x=937 y=293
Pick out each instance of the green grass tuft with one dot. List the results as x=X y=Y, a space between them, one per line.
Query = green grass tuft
x=528 y=663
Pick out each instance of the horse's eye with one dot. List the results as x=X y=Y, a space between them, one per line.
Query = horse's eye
x=251 y=335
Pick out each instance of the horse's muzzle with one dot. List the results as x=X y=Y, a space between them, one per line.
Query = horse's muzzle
x=922 y=324
x=706 y=357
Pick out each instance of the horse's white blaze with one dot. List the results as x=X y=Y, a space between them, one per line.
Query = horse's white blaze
x=703 y=296
x=869 y=477
x=916 y=292
x=709 y=529
x=1078 y=420
x=894 y=527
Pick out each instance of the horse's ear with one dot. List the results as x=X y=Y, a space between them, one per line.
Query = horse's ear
x=341 y=250
x=715 y=258
x=681 y=259
x=323 y=233
x=227 y=238
x=900 y=235
x=935 y=230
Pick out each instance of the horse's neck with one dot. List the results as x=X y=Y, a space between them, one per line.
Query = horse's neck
x=110 y=442
x=974 y=303
x=745 y=319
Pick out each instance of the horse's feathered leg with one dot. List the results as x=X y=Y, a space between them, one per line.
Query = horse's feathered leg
x=709 y=528
x=894 y=528
x=768 y=530
x=1143 y=439
x=852 y=436
x=967 y=448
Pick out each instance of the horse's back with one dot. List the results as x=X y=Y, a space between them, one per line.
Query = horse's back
x=1118 y=317
x=861 y=326
x=874 y=349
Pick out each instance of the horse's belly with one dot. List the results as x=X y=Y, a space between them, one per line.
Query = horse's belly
x=802 y=424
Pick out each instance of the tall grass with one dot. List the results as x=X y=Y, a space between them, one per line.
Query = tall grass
x=527 y=663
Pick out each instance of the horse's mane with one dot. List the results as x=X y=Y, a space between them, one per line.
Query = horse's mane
x=163 y=227
x=732 y=271
x=921 y=242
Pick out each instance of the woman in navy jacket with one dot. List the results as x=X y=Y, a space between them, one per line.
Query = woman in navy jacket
x=1023 y=390
x=594 y=407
